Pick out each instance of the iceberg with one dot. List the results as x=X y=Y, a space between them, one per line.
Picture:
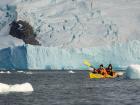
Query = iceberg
x=3 y=72
x=133 y=71
x=24 y=88
x=71 y=72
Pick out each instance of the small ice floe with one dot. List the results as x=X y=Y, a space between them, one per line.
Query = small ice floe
x=24 y=88
x=28 y=73
x=2 y=72
x=8 y=72
x=72 y=72
x=20 y=71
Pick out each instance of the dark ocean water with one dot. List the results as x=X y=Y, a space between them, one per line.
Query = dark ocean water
x=63 y=88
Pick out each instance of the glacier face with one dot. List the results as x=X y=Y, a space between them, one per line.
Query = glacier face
x=102 y=31
x=120 y=55
x=13 y=58
x=46 y=58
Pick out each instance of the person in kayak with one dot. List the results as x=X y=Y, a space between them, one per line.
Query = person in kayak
x=102 y=70
x=109 y=70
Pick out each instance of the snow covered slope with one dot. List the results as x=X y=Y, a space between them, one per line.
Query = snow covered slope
x=102 y=31
x=82 y=23
x=68 y=23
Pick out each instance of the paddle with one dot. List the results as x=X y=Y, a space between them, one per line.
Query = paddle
x=86 y=62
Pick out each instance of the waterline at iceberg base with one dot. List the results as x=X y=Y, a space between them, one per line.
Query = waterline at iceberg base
x=47 y=58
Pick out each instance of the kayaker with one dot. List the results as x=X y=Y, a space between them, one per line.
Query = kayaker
x=102 y=70
x=99 y=69
x=109 y=70
x=94 y=70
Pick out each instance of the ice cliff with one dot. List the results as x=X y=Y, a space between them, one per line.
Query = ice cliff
x=102 y=31
x=39 y=57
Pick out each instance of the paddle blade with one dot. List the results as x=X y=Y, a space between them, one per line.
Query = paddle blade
x=87 y=63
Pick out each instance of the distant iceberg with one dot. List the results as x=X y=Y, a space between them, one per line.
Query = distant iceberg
x=71 y=72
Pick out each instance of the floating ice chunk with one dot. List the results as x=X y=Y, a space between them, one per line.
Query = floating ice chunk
x=25 y=87
x=20 y=71
x=72 y=72
x=4 y=88
x=24 y=72
x=2 y=72
x=133 y=71
x=28 y=73
x=8 y=72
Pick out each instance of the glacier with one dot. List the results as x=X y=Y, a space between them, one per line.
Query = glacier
x=81 y=23
x=70 y=31
x=50 y=58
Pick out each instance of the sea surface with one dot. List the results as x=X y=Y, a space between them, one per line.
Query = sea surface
x=64 y=88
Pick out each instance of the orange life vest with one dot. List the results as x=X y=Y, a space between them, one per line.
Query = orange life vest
x=104 y=72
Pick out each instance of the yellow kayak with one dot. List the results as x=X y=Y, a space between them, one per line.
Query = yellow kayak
x=93 y=75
